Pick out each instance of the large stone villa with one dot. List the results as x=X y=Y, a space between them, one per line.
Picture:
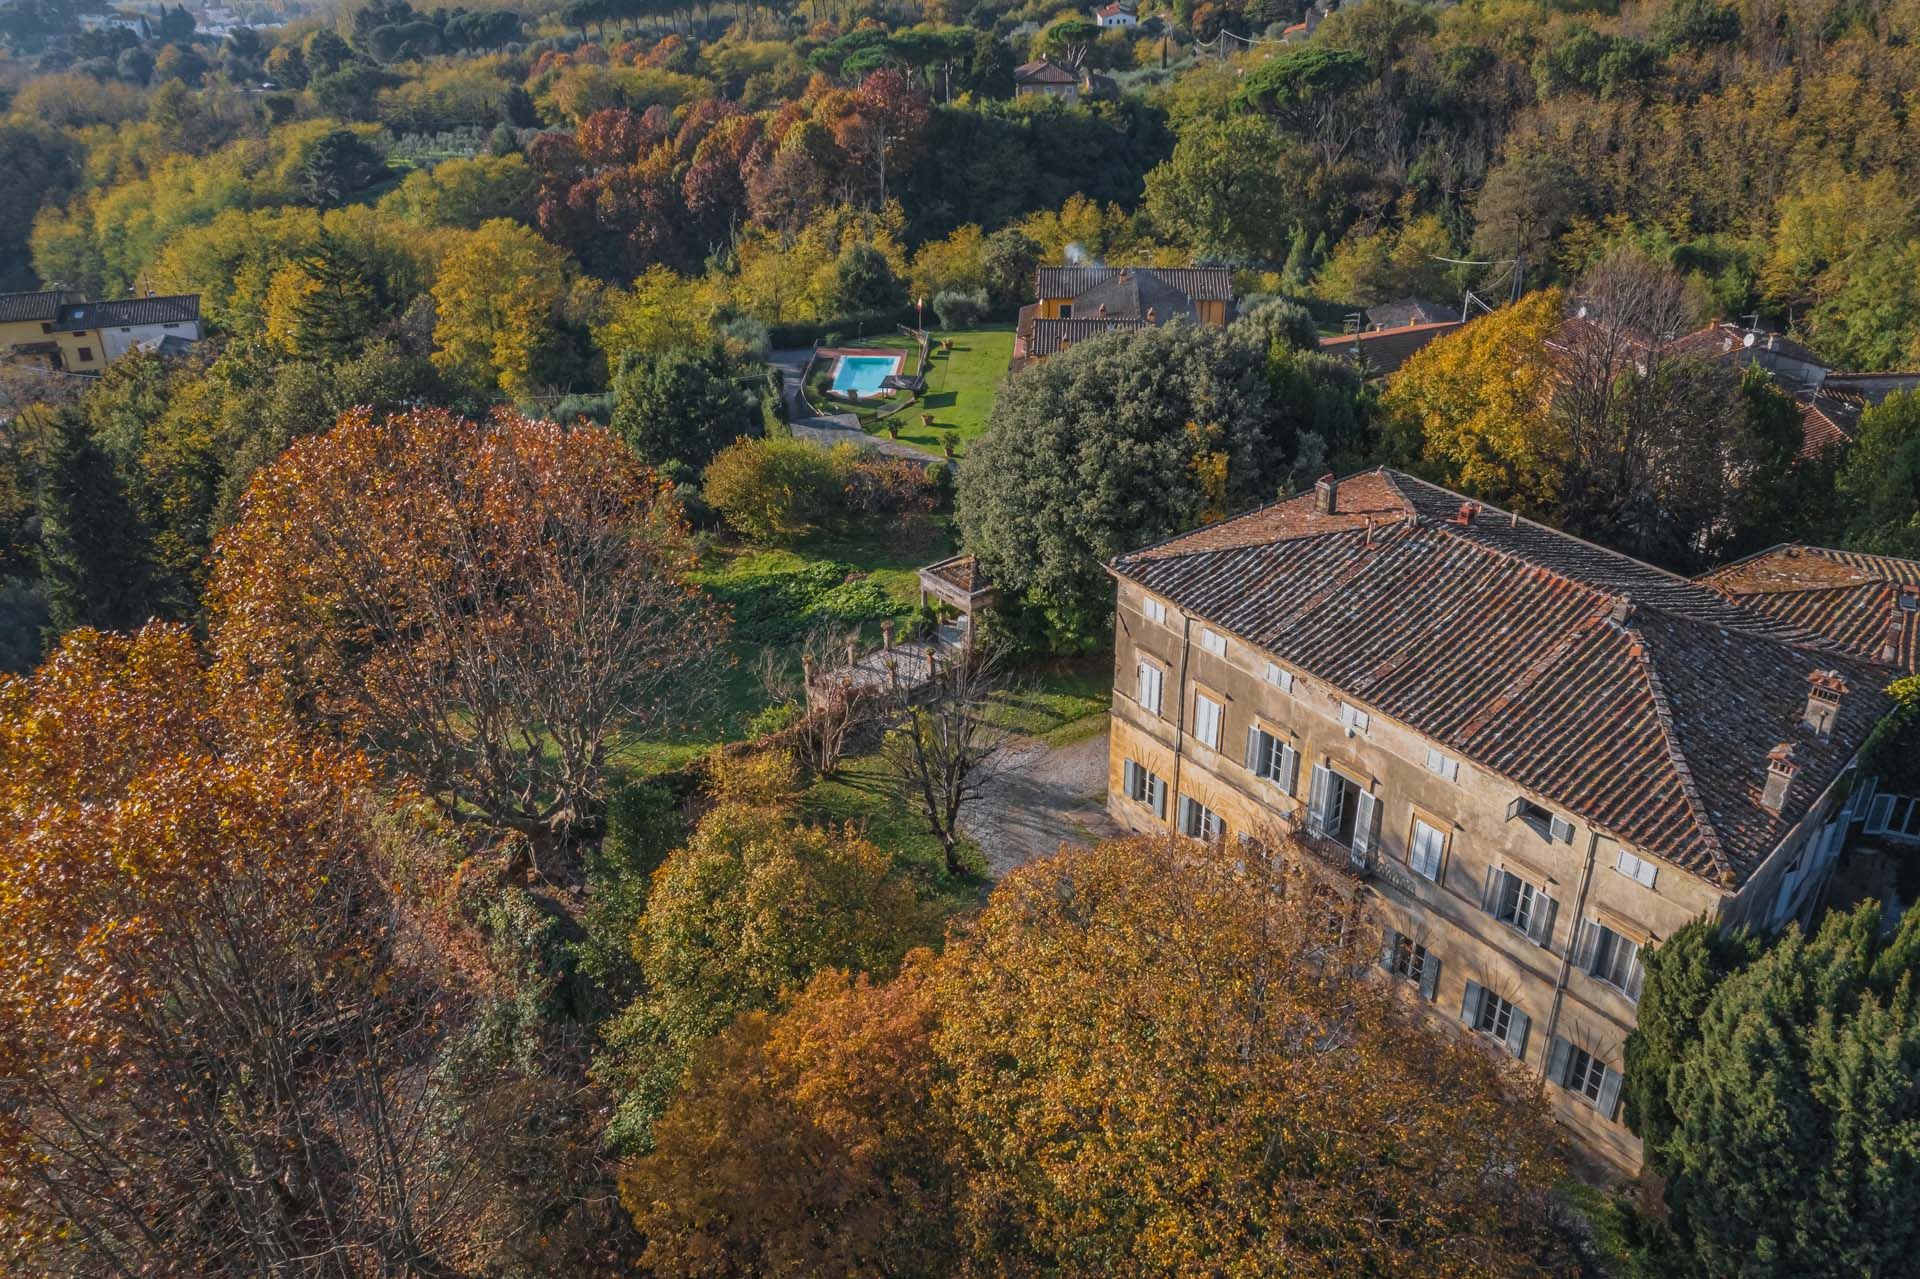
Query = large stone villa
x=1540 y=756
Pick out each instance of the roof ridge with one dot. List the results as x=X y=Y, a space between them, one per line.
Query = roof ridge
x=1663 y=715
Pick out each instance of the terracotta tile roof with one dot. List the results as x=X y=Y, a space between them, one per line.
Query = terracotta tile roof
x=1199 y=283
x=1050 y=335
x=1402 y=312
x=963 y=571
x=1385 y=350
x=1854 y=599
x=18 y=308
x=1824 y=426
x=1640 y=701
x=1043 y=71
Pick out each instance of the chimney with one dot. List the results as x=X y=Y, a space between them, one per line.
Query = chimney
x=1326 y=495
x=1824 y=691
x=1467 y=511
x=1369 y=530
x=1101 y=311
x=1780 y=771
x=1151 y=317
x=1622 y=609
x=1891 y=635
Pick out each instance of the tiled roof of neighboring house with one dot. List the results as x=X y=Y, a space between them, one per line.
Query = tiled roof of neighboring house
x=1131 y=295
x=18 y=308
x=1201 y=283
x=1384 y=351
x=121 y=312
x=1400 y=313
x=1868 y=603
x=1049 y=336
x=1043 y=71
x=1114 y=10
x=1825 y=425
x=1642 y=702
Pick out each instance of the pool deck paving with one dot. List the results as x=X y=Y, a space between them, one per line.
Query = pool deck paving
x=829 y=429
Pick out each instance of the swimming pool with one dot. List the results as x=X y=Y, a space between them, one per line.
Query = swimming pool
x=862 y=374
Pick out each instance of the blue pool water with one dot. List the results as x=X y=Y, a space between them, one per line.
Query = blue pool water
x=862 y=374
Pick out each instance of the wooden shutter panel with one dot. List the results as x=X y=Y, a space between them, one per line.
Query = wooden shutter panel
x=1429 y=976
x=1366 y=823
x=1470 y=1003
x=1557 y=1058
x=1637 y=974
x=1388 y=945
x=1186 y=813
x=1513 y=807
x=1608 y=1103
x=1157 y=795
x=1586 y=936
x=1253 y=749
x=1561 y=830
x=1129 y=778
x=1517 y=1034
x=1317 y=802
x=1290 y=770
x=1542 y=930
x=1490 y=895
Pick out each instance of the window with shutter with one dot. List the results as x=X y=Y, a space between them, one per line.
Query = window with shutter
x=1208 y=716
x=1426 y=850
x=1429 y=977
x=1638 y=869
x=1134 y=778
x=1499 y=1019
x=1154 y=609
x=1318 y=800
x=1615 y=960
x=1197 y=821
x=1279 y=677
x=1147 y=686
x=1366 y=825
x=1157 y=796
x=1271 y=759
x=1444 y=765
x=1213 y=641
x=1523 y=905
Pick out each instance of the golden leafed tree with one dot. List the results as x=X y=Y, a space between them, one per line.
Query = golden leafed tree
x=482 y=605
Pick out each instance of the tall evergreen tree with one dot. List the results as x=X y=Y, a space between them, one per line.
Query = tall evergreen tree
x=96 y=561
x=337 y=316
x=1794 y=1141
x=682 y=406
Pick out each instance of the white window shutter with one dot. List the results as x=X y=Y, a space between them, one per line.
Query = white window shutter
x=1636 y=974
x=1157 y=793
x=1608 y=1103
x=1561 y=829
x=1366 y=825
x=1290 y=770
x=1557 y=1058
x=1517 y=1034
x=1586 y=939
x=1490 y=896
x=1186 y=814
x=1387 y=947
x=1542 y=930
x=1253 y=749
x=1429 y=976
x=1470 y=1003
x=1513 y=807
x=1317 y=802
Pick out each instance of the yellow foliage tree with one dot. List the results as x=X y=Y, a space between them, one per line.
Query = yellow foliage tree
x=496 y=299
x=1473 y=407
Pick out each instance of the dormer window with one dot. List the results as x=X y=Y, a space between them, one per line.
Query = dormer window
x=1545 y=824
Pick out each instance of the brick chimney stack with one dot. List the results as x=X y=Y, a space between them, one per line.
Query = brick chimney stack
x=1326 y=495
x=1780 y=770
x=1467 y=511
x=1824 y=691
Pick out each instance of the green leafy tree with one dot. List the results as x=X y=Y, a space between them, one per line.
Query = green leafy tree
x=339 y=166
x=95 y=553
x=1879 y=483
x=864 y=282
x=1794 y=1142
x=1102 y=448
x=681 y=405
x=1230 y=188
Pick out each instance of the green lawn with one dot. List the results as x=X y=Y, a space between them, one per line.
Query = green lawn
x=866 y=792
x=1061 y=704
x=775 y=595
x=960 y=387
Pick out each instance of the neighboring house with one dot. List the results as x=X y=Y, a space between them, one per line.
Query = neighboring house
x=1047 y=78
x=1381 y=352
x=1540 y=757
x=1115 y=15
x=26 y=324
x=1081 y=302
x=1407 y=311
x=93 y=334
x=1868 y=604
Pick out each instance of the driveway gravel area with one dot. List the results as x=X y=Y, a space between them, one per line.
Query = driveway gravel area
x=1041 y=796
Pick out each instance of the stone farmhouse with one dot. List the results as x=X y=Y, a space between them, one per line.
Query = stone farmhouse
x=1539 y=756
x=1077 y=303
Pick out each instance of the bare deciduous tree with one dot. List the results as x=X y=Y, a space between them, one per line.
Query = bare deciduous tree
x=948 y=743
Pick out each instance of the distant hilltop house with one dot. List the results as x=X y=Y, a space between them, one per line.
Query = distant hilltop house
x=1115 y=15
x=1077 y=303
x=64 y=331
x=1046 y=78
x=1539 y=758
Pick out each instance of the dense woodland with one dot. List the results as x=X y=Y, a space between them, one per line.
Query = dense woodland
x=423 y=852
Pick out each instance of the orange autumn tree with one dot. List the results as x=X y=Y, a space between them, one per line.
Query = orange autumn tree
x=483 y=605
x=213 y=1051
x=1145 y=1057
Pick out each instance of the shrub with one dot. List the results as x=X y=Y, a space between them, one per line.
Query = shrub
x=771 y=490
x=960 y=309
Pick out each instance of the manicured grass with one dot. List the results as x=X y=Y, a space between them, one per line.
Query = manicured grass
x=960 y=386
x=1060 y=704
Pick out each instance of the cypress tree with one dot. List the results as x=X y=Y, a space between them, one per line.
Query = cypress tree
x=337 y=316
x=95 y=554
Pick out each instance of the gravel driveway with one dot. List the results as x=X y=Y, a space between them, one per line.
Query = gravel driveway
x=1040 y=797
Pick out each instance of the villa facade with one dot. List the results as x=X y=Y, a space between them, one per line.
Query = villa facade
x=1540 y=757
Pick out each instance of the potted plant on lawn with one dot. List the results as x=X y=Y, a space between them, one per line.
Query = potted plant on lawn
x=950 y=441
